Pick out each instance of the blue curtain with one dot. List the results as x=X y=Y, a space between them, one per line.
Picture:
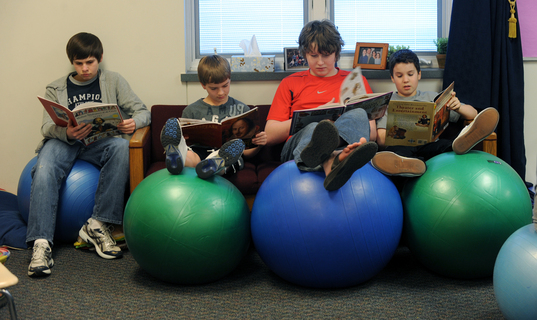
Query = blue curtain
x=487 y=67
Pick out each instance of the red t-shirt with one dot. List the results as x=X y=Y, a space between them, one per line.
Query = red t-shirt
x=302 y=90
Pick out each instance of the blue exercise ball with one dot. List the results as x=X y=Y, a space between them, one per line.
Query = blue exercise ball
x=76 y=202
x=326 y=239
x=461 y=211
x=515 y=275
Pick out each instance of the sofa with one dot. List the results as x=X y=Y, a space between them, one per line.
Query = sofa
x=147 y=154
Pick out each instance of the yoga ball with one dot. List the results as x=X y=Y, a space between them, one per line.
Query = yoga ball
x=76 y=202
x=515 y=276
x=461 y=211
x=186 y=230
x=326 y=239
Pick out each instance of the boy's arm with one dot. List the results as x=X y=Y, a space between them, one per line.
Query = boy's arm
x=131 y=105
x=466 y=111
x=373 y=130
x=277 y=131
x=381 y=138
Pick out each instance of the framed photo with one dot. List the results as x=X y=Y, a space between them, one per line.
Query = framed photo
x=293 y=60
x=370 y=55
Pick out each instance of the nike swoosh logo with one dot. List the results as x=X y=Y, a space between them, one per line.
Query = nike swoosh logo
x=319 y=92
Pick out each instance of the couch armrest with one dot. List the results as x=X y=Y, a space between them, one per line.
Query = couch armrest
x=139 y=149
x=490 y=144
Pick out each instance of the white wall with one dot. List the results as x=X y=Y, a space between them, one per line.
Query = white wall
x=143 y=40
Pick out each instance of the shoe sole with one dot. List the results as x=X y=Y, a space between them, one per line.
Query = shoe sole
x=346 y=168
x=89 y=239
x=483 y=125
x=392 y=164
x=324 y=140
x=170 y=137
x=231 y=151
x=42 y=272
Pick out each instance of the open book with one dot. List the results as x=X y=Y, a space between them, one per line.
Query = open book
x=103 y=117
x=352 y=94
x=213 y=134
x=414 y=123
x=375 y=104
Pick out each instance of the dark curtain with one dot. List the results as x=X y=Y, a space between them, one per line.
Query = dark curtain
x=488 y=70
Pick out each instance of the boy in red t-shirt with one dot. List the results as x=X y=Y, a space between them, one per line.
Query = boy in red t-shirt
x=339 y=148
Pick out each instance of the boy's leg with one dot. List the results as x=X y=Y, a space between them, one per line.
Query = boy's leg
x=112 y=156
x=216 y=162
x=483 y=125
x=174 y=145
x=312 y=146
x=54 y=163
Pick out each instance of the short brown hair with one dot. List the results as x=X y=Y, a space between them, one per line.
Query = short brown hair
x=323 y=35
x=213 y=69
x=84 y=45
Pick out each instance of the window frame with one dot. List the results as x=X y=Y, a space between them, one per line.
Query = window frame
x=313 y=10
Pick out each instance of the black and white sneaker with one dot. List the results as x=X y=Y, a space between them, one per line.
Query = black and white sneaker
x=170 y=137
x=102 y=239
x=41 y=261
x=229 y=154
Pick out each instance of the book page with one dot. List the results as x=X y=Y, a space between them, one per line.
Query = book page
x=244 y=127
x=353 y=85
x=375 y=104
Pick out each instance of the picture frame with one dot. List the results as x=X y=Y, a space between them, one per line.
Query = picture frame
x=376 y=51
x=293 y=60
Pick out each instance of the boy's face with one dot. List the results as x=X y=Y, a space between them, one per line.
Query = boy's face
x=87 y=68
x=321 y=65
x=218 y=92
x=406 y=78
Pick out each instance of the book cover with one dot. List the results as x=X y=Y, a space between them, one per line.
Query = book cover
x=104 y=118
x=414 y=123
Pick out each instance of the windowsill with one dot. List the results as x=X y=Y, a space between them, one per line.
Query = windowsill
x=426 y=73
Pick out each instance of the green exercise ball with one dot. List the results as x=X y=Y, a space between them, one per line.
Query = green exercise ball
x=461 y=211
x=186 y=230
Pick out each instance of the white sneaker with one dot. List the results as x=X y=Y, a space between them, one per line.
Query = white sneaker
x=229 y=153
x=41 y=261
x=102 y=239
x=483 y=125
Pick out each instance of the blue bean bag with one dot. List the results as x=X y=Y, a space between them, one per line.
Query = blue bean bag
x=12 y=227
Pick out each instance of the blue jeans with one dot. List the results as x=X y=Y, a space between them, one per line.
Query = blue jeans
x=54 y=162
x=351 y=125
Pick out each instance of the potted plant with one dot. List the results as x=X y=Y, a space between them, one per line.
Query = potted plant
x=441 y=50
x=392 y=50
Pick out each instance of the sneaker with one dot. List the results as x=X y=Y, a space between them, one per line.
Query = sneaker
x=41 y=261
x=229 y=154
x=102 y=239
x=392 y=164
x=239 y=165
x=170 y=137
x=483 y=125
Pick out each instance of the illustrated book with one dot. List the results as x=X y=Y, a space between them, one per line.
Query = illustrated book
x=414 y=123
x=104 y=118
